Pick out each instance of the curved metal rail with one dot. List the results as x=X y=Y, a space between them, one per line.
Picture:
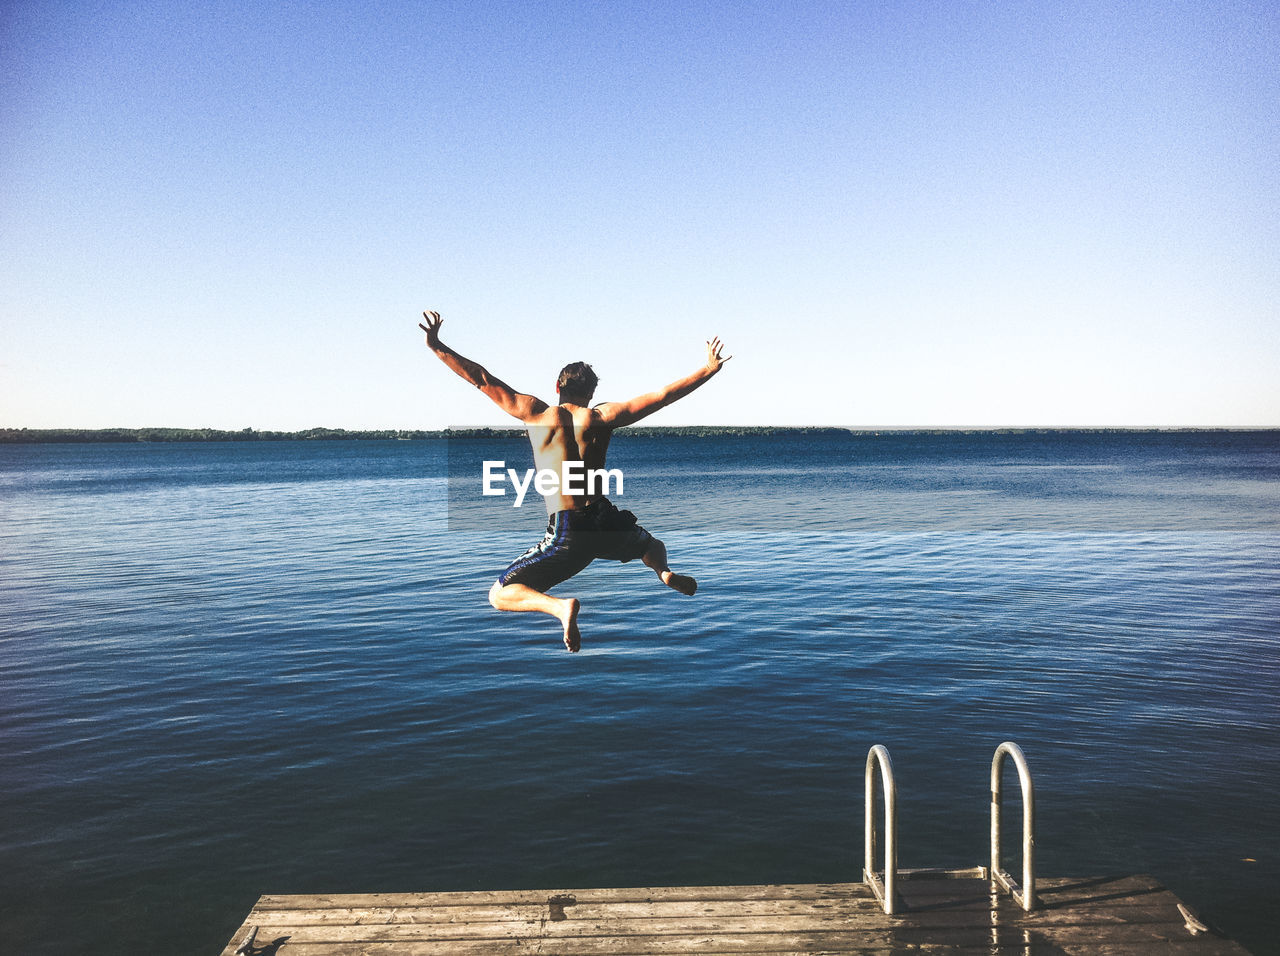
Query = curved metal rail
x=886 y=890
x=1025 y=895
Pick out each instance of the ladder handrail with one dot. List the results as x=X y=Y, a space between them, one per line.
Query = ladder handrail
x=886 y=893
x=1027 y=896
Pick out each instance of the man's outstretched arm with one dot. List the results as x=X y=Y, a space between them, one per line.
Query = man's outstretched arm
x=618 y=414
x=516 y=404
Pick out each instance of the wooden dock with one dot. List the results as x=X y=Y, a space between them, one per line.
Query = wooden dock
x=1113 y=916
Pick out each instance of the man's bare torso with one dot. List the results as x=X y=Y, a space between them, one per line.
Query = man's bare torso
x=568 y=433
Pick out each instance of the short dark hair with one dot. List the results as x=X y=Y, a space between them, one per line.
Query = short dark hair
x=577 y=378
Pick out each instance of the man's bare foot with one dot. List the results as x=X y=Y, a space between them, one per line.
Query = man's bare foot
x=572 y=637
x=679 y=582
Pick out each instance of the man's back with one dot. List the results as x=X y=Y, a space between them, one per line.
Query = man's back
x=568 y=432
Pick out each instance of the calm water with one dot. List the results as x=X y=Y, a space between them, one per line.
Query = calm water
x=228 y=670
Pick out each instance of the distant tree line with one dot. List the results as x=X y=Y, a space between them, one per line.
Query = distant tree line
x=71 y=435
x=68 y=435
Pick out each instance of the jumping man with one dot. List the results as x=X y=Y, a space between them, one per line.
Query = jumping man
x=582 y=527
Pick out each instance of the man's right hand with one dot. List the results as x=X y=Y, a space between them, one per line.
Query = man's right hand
x=432 y=328
x=714 y=360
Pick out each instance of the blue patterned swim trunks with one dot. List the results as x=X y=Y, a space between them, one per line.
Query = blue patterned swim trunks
x=573 y=540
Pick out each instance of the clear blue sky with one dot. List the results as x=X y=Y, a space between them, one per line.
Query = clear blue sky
x=231 y=214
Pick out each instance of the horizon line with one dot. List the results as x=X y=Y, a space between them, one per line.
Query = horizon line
x=25 y=435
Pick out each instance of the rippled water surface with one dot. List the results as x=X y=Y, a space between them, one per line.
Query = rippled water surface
x=236 y=669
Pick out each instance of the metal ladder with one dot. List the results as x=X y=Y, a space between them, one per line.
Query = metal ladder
x=885 y=887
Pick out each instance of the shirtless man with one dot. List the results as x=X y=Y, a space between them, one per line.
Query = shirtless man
x=581 y=527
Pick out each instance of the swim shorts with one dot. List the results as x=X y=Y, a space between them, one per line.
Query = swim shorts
x=573 y=540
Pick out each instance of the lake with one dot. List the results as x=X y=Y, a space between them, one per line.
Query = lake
x=231 y=669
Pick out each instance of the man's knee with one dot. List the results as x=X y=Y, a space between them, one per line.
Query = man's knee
x=655 y=555
x=493 y=594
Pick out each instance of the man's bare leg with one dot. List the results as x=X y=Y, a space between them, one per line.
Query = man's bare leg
x=656 y=558
x=521 y=597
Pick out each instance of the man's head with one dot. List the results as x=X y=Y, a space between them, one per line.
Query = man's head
x=577 y=383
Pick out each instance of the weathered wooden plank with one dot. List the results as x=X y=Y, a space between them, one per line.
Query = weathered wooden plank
x=1049 y=890
x=1158 y=907
x=428 y=949
x=654 y=933
x=526 y=949
x=826 y=948
x=649 y=927
x=600 y=894
x=1100 y=917
x=567 y=907
x=770 y=945
x=1163 y=909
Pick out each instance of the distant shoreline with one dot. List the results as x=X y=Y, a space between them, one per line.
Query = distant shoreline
x=44 y=436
